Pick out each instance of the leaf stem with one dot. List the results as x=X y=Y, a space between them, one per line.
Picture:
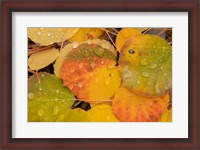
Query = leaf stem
x=34 y=50
x=110 y=38
x=108 y=31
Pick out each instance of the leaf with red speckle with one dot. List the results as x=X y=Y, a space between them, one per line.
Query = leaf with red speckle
x=130 y=107
x=95 y=76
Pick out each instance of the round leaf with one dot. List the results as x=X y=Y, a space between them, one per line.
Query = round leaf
x=42 y=59
x=46 y=36
x=146 y=65
x=130 y=107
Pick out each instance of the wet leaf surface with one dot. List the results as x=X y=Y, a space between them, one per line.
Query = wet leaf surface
x=46 y=36
x=130 y=107
x=124 y=35
x=100 y=74
x=95 y=75
x=146 y=65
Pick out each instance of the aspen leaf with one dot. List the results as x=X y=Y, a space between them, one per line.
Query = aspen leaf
x=146 y=65
x=47 y=99
x=130 y=107
x=47 y=36
x=85 y=34
x=42 y=59
x=89 y=70
x=125 y=34
x=64 y=51
x=166 y=115
x=101 y=113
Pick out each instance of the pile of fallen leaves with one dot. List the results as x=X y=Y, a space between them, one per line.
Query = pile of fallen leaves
x=99 y=74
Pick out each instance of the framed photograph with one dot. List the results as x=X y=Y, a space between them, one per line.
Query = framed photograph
x=104 y=74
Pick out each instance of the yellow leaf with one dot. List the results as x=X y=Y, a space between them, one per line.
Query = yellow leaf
x=104 y=83
x=42 y=59
x=85 y=34
x=46 y=36
x=166 y=116
x=101 y=113
x=124 y=35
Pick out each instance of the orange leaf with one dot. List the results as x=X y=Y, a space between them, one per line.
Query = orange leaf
x=128 y=106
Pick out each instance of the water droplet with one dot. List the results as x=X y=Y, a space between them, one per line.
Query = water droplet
x=86 y=54
x=98 y=52
x=131 y=51
x=56 y=110
x=75 y=45
x=161 y=67
x=80 y=85
x=145 y=74
x=138 y=82
x=39 y=33
x=144 y=62
x=72 y=70
x=40 y=112
x=102 y=62
x=153 y=66
x=40 y=89
x=128 y=74
x=31 y=95
x=166 y=87
x=93 y=64
x=107 y=81
x=80 y=65
x=157 y=88
x=48 y=34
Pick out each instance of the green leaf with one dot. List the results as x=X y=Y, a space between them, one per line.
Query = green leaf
x=48 y=99
x=146 y=65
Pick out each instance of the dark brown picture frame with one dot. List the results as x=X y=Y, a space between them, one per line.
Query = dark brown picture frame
x=9 y=6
